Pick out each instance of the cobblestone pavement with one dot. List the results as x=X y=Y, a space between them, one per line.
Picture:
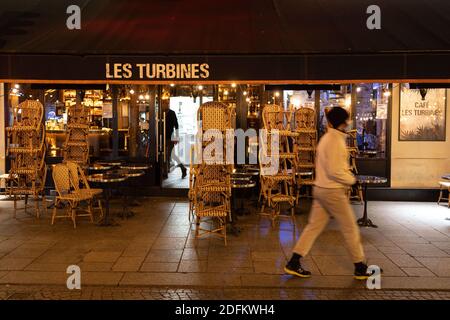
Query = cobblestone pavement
x=168 y=293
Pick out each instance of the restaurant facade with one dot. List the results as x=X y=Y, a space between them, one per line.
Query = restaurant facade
x=397 y=97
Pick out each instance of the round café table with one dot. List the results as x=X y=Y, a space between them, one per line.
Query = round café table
x=365 y=181
x=238 y=184
x=135 y=166
x=111 y=163
x=141 y=167
x=126 y=187
x=108 y=181
x=99 y=167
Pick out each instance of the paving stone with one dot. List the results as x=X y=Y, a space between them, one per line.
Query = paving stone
x=101 y=278
x=334 y=265
x=439 y=266
x=195 y=254
x=159 y=267
x=423 y=250
x=404 y=260
x=164 y=256
x=35 y=277
x=169 y=243
x=96 y=266
x=102 y=256
x=128 y=264
x=38 y=266
x=418 y=272
x=136 y=251
x=14 y=263
x=193 y=266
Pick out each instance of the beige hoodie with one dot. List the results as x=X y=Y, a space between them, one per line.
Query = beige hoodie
x=332 y=161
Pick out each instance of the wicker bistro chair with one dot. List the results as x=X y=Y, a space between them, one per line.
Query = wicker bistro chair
x=76 y=147
x=215 y=115
x=277 y=188
x=26 y=150
x=80 y=184
x=444 y=185
x=212 y=198
x=305 y=125
x=66 y=195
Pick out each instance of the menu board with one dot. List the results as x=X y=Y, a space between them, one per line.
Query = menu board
x=422 y=114
x=107 y=110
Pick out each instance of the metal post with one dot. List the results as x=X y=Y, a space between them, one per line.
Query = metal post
x=115 y=123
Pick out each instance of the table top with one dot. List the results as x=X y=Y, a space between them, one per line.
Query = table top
x=446 y=176
x=128 y=173
x=106 y=178
x=241 y=177
x=99 y=167
x=242 y=184
x=246 y=172
x=135 y=166
x=371 y=179
x=113 y=163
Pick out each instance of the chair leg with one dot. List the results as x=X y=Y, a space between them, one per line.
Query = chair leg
x=54 y=213
x=73 y=216
x=90 y=211
x=15 y=206
x=197 y=229
x=440 y=195
x=224 y=230
x=448 y=196
x=101 y=208
x=36 y=208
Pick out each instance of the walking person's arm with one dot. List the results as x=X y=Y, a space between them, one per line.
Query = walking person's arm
x=337 y=167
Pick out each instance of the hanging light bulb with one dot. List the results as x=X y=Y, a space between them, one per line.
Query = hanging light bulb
x=244 y=93
x=233 y=85
x=200 y=87
x=172 y=85
x=141 y=97
x=147 y=97
x=131 y=91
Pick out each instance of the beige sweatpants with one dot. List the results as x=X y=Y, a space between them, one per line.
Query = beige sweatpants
x=331 y=202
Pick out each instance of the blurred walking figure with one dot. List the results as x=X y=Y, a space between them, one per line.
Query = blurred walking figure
x=171 y=127
x=333 y=178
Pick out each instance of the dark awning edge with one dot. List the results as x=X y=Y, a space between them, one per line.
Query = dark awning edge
x=283 y=69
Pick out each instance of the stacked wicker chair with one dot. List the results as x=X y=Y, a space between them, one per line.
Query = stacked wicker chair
x=70 y=195
x=306 y=126
x=355 y=193
x=26 y=149
x=277 y=188
x=76 y=147
x=211 y=193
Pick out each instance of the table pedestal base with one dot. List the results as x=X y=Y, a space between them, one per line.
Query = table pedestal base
x=365 y=222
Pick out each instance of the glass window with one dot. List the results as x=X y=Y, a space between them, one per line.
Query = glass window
x=370 y=119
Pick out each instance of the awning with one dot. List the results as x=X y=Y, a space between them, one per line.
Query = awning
x=252 y=40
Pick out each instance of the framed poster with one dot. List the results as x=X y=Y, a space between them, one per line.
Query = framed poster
x=107 y=110
x=422 y=114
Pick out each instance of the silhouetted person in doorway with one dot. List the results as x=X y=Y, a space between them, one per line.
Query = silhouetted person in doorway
x=171 y=127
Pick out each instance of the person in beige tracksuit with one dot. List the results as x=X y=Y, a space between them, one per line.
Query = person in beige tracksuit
x=333 y=178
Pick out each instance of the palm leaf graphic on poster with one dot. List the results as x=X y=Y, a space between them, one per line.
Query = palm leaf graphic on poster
x=424 y=133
